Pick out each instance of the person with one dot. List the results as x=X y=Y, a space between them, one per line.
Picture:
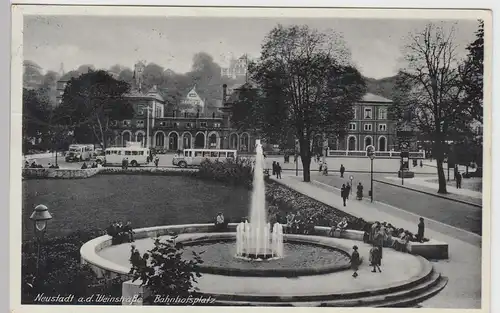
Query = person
x=325 y=169
x=421 y=164
x=343 y=193
x=157 y=160
x=84 y=166
x=289 y=221
x=342 y=170
x=278 y=170
x=421 y=229
x=128 y=229
x=373 y=231
x=348 y=190
x=375 y=259
x=26 y=164
x=274 y=168
x=126 y=163
x=219 y=222
x=320 y=166
x=355 y=260
x=359 y=193
x=414 y=163
x=459 y=180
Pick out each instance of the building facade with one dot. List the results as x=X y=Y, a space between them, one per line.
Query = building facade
x=237 y=68
x=370 y=126
x=191 y=124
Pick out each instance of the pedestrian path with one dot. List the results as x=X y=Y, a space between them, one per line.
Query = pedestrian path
x=464 y=265
x=422 y=181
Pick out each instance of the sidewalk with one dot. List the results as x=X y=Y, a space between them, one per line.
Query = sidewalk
x=422 y=181
x=464 y=265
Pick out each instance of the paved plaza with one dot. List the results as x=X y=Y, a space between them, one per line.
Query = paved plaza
x=463 y=268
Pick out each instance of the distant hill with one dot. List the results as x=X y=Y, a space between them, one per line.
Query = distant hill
x=382 y=87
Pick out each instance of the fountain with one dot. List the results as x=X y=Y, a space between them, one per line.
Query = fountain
x=254 y=239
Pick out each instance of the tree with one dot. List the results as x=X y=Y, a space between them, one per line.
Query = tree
x=32 y=75
x=153 y=75
x=308 y=86
x=93 y=100
x=164 y=271
x=36 y=112
x=473 y=74
x=432 y=92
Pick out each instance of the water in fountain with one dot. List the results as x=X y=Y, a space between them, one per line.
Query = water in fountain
x=254 y=240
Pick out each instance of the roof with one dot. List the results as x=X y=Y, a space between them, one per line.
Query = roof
x=151 y=94
x=370 y=97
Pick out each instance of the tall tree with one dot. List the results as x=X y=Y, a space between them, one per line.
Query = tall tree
x=308 y=86
x=431 y=89
x=93 y=100
x=473 y=74
x=35 y=114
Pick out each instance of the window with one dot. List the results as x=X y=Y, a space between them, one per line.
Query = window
x=230 y=154
x=354 y=113
x=352 y=126
x=162 y=123
x=140 y=123
x=214 y=154
x=126 y=122
x=134 y=152
x=198 y=154
x=176 y=125
x=382 y=114
x=127 y=152
x=206 y=154
x=216 y=125
x=188 y=125
x=368 y=113
x=222 y=154
x=368 y=127
x=382 y=127
x=203 y=124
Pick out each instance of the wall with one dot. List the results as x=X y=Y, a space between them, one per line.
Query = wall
x=36 y=173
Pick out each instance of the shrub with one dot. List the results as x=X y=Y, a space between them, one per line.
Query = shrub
x=61 y=272
x=232 y=171
x=120 y=233
x=163 y=271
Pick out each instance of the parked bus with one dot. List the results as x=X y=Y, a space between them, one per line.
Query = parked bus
x=194 y=157
x=136 y=156
x=79 y=152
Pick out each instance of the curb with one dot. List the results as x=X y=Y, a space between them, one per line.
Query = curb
x=430 y=194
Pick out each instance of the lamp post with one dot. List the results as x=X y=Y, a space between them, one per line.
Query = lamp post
x=40 y=217
x=370 y=152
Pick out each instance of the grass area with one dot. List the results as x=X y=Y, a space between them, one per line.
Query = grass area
x=474 y=184
x=86 y=204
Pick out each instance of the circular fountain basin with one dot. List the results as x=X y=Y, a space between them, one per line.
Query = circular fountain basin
x=300 y=259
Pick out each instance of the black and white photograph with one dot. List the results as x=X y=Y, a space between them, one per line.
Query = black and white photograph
x=174 y=156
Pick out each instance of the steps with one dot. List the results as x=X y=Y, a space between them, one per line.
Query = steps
x=408 y=294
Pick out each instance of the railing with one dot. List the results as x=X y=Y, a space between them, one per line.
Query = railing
x=381 y=154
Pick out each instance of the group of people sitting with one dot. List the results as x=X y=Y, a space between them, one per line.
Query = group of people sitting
x=85 y=166
x=298 y=224
x=385 y=235
x=120 y=233
x=35 y=165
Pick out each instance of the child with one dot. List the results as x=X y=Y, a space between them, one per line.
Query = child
x=375 y=259
x=355 y=261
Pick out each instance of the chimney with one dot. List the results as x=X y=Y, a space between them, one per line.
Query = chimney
x=224 y=94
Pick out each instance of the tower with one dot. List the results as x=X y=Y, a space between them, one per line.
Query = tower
x=138 y=75
x=61 y=70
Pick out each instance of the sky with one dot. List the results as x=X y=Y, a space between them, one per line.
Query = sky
x=171 y=42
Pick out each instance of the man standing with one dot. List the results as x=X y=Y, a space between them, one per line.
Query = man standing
x=274 y=168
x=459 y=180
x=342 y=170
x=157 y=160
x=343 y=193
x=348 y=190
x=421 y=230
x=278 y=170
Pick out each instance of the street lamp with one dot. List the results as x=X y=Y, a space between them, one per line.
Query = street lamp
x=370 y=152
x=40 y=217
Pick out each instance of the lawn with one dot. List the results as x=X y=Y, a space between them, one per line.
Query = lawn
x=86 y=204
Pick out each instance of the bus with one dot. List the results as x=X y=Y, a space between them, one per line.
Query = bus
x=79 y=152
x=194 y=157
x=136 y=156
